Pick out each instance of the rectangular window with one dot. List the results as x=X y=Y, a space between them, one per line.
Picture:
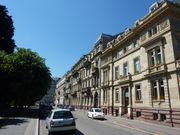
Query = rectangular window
x=152 y=31
x=152 y=58
x=136 y=44
x=155 y=56
x=161 y=90
x=138 y=114
x=121 y=52
x=163 y=117
x=117 y=95
x=158 y=92
x=154 y=91
x=129 y=47
x=116 y=72
x=136 y=65
x=125 y=69
x=155 y=116
x=158 y=57
x=105 y=95
x=105 y=76
x=138 y=92
x=116 y=55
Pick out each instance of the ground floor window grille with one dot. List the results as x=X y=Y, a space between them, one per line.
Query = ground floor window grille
x=155 y=116
x=163 y=117
x=138 y=114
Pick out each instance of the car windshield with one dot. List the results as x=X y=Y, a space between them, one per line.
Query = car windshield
x=62 y=114
x=97 y=110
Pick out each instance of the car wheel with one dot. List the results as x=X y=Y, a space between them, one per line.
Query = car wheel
x=49 y=133
x=73 y=132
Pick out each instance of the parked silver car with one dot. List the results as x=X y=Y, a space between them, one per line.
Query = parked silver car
x=60 y=120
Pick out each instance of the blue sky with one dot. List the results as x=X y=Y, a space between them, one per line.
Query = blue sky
x=61 y=31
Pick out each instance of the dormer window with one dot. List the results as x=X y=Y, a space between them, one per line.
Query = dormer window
x=153 y=7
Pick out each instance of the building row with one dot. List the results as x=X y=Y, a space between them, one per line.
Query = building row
x=134 y=74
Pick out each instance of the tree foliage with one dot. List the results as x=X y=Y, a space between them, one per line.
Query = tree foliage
x=6 y=31
x=25 y=77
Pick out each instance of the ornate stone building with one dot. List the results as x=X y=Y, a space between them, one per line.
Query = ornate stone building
x=136 y=73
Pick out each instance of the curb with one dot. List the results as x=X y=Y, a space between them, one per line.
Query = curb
x=33 y=127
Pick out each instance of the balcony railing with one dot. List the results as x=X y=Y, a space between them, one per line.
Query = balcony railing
x=125 y=78
x=87 y=64
x=156 y=70
x=105 y=84
x=106 y=61
x=178 y=63
x=95 y=70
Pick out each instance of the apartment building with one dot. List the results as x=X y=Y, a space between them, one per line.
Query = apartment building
x=60 y=91
x=136 y=73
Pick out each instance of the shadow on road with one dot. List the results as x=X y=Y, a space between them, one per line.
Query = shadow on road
x=19 y=112
x=11 y=121
x=68 y=133
x=16 y=116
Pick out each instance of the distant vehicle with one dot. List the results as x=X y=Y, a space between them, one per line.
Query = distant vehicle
x=44 y=110
x=60 y=120
x=60 y=106
x=71 y=107
x=66 y=106
x=95 y=113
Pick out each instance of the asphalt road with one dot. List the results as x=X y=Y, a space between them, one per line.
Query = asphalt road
x=88 y=126
x=13 y=126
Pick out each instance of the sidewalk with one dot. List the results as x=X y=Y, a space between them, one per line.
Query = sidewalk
x=139 y=125
x=33 y=127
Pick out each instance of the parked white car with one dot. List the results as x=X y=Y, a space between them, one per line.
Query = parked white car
x=60 y=120
x=96 y=113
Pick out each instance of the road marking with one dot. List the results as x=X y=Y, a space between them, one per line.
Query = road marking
x=37 y=127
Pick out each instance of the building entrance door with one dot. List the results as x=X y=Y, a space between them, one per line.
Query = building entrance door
x=125 y=99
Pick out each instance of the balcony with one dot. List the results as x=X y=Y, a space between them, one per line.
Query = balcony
x=65 y=95
x=155 y=70
x=178 y=64
x=67 y=91
x=87 y=64
x=125 y=79
x=86 y=90
x=106 y=61
x=95 y=71
x=74 y=93
x=105 y=84
x=79 y=80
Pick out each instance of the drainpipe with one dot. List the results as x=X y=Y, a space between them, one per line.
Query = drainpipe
x=112 y=76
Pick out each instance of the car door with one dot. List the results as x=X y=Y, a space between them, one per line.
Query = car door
x=90 y=113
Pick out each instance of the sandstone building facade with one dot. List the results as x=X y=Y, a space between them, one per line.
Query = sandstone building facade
x=134 y=74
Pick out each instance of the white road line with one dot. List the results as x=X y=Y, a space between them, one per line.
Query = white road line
x=37 y=125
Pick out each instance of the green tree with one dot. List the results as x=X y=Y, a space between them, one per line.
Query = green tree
x=6 y=31
x=28 y=78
